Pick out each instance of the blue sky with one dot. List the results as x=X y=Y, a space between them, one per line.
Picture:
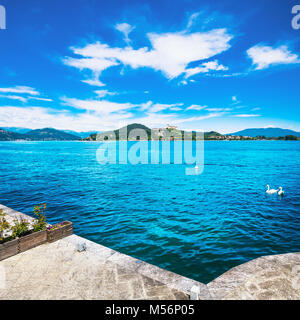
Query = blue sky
x=98 y=65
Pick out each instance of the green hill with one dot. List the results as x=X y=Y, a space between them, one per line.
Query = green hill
x=157 y=134
x=50 y=134
x=12 y=136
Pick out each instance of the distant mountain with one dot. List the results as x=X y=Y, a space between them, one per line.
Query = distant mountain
x=211 y=135
x=16 y=129
x=50 y=134
x=12 y=136
x=267 y=132
x=83 y=134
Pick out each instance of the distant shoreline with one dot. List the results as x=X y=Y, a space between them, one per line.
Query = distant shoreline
x=139 y=132
x=238 y=140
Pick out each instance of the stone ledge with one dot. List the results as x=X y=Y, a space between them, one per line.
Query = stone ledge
x=267 y=277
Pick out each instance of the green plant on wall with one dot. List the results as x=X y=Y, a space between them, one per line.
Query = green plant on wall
x=4 y=225
x=40 y=223
x=20 y=228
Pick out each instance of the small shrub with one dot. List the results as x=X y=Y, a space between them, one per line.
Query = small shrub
x=4 y=225
x=39 y=211
x=20 y=228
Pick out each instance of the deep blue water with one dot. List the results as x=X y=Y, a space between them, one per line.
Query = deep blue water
x=198 y=226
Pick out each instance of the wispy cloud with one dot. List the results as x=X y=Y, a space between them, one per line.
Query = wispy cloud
x=96 y=64
x=11 y=97
x=200 y=118
x=94 y=82
x=40 y=99
x=157 y=107
x=219 y=109
x=196 y=107
x=20 y=89
x=104 y=93
x=246 y=115
x=192 y=19
x=264 y=56
x=125 y=28
x=22 y=93
x=205 y=67
x=98 y=106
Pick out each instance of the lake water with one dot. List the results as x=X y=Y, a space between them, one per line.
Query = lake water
x=196 y=225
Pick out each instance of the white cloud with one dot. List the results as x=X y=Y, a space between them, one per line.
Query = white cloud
x=265 y=56
x=22 y=93
x=125 y=28
x=175 y=108
x=160 y=120
x=246 y=115
x=199 y=118
x=146 y=105
x=211 y=110
x=103 y=93
x=192 y=19
x=22 y=99
x=94 y=82
x=40 y=99
x=157 y=107
x=196 y=107
x=98 y=106
x=218 y=109
x=20 y=89
x=235 y=101
x=151 y=107
x=240 y=107
x=205 y=67
x=183 y=82
x=95 y=64
x=171 y=53
x=13 y=97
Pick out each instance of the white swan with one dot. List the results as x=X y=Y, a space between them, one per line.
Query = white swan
x=271 y=191
x=280 y=192
x=196 y=167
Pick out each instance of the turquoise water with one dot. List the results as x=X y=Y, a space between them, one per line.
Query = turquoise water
x=198 y=226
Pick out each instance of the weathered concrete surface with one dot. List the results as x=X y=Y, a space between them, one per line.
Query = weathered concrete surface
x=274 y=277
x=58 y=271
